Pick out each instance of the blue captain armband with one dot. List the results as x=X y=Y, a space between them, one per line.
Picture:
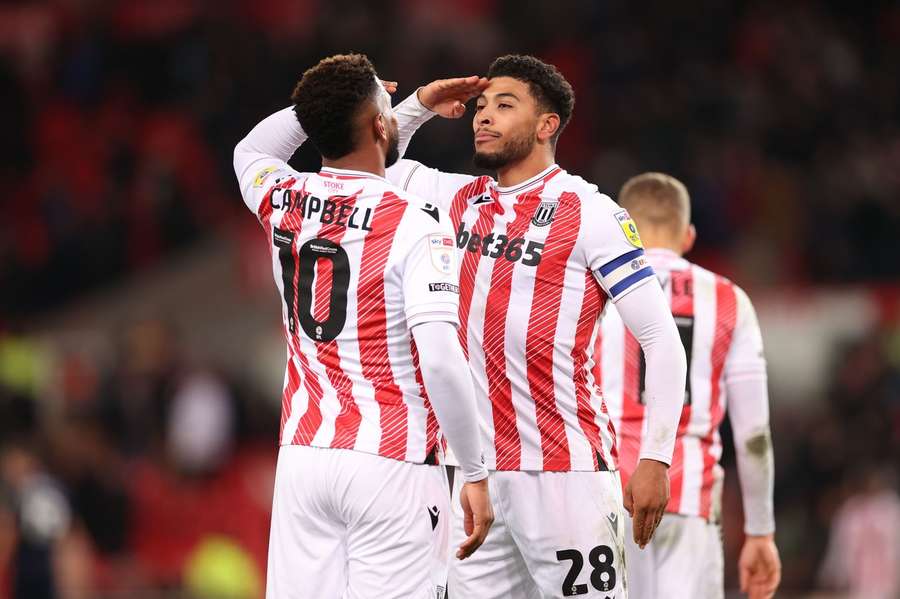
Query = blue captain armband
x=621 y=274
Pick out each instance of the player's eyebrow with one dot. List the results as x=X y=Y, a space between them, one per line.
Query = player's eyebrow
x=501 y=94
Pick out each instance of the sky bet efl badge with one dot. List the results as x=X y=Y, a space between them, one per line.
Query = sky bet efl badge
x=443 y=253
x=630 y=229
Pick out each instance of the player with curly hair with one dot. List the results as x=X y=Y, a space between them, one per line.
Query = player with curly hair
x=375 y=373
x=541 y=252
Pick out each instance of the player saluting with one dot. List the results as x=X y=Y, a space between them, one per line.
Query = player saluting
x=542 y=251
x=725 y=363
x=368 y=282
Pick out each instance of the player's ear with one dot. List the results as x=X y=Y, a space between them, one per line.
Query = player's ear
x=690 y=236
x=380 y=127
x=548 y=125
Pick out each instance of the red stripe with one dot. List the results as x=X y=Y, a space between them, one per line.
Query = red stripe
x=327 y=352
x=542 y=322
x=290 y=387
x=598 y=382
x=372 y=327
x=598 y=358
x=726 y=317
x=506 y=434
x=466 y=194
x=682 y=302
x=591 y=304
x=311 y=420
x=469 y=268
x=676 y=477
x=431 y=424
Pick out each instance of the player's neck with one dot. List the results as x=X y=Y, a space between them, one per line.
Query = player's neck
x=535 y=163
x=363 y=160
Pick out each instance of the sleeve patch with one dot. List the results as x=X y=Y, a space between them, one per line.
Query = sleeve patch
x=449 y=287
x=443 y=252
x=262 y=175
x=629 y=228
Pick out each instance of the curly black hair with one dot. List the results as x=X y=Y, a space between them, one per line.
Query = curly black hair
x=548 y=86
x=328 y=97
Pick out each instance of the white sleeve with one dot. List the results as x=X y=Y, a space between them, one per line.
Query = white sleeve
x=430 y=274
x=411 y=114
x=748 y=412
x=647 y=315
x=261 y=157
x=613 y=248
x=452 y=395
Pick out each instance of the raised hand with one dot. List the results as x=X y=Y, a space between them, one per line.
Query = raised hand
x=448 y=97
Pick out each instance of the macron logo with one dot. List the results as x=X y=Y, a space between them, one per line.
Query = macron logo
x=434 y=512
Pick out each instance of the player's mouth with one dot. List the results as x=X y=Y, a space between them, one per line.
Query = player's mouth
x=484 y=136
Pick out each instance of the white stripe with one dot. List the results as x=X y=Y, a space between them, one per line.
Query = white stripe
x=701 y=353
x=692 y=476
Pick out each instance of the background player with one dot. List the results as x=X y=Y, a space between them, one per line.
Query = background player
x=541 y=252
x=721 y=335
x=367 y=276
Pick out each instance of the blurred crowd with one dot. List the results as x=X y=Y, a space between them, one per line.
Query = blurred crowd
x=149 y=471
x=152 y=472
x=120 y=118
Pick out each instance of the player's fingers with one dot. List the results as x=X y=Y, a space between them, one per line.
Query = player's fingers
x=649 y=526
x=628 y=501
x=744 y=575
x=638 y=527
x=472 y=542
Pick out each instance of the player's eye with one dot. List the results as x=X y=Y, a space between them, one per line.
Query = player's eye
x=478 y=107
x=504 y=105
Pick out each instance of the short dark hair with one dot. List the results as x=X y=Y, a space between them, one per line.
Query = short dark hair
x=328 y=97
x=548 y=86
x=657 y=200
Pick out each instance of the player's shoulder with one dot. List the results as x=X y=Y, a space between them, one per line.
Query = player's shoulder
x=720 y=281
x=574 y=189
x=419 y=213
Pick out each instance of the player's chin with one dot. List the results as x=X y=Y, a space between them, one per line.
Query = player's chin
x=489 y=160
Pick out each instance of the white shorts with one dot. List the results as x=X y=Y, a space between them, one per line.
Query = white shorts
x=555 y=534
x=347 y=524
x=683 y=560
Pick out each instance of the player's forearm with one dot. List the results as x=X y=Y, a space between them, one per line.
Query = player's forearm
x=451 y=393
x=749 y=416
x=277 y=136
x=411 y=114
x=646 y=314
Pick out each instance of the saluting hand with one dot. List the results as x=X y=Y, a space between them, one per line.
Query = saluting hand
x=448 y=97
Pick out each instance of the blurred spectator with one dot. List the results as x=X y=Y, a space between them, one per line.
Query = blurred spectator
x=43 y=528
x=863 y=555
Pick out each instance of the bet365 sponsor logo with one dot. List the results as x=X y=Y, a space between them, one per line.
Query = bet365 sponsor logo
x=500 y=246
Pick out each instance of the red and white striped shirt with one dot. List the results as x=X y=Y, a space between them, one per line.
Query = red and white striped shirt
x=357 y=263
x=721 y=337
x=537 y=264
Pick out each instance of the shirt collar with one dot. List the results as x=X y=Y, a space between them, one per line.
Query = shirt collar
x=527 y=185
x=330 y=172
